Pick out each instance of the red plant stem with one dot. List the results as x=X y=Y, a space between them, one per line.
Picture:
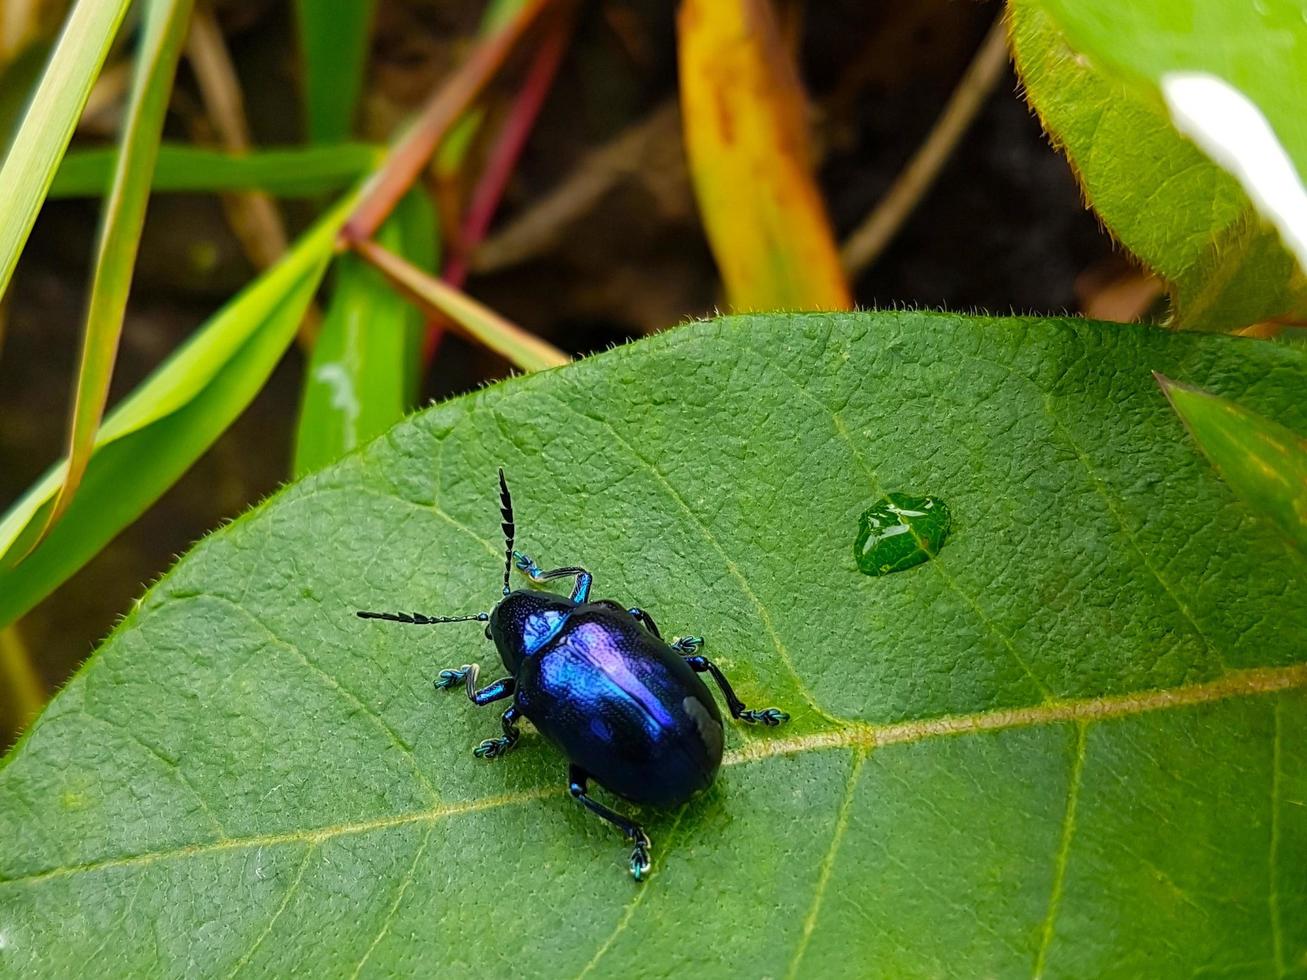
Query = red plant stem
x=501 y=163
x=507 y=150
x=447 y=104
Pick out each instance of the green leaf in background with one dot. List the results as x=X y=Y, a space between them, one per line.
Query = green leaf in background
x=292 y=172
x=1263 y=461
x=1257 y=48
x=1074 y=743
x=1182 y=214
x=153 y=437
x=334 y=40
x=48 y=124
x=163 y=32
x=362 y=377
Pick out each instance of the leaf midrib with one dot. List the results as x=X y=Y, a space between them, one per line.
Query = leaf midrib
x=863 y=736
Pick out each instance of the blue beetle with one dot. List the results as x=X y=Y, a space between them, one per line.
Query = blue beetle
x=628 y=709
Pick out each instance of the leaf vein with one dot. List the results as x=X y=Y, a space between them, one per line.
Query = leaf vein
x=631 y=906
x=842 y=431
x=345 y=693
x=167 y=763
x=281 y=907
x=1273 y=892
x=1245 y=683
x=828 y=862
x=399 y=898
x=1100 y=487
x=1064 y=847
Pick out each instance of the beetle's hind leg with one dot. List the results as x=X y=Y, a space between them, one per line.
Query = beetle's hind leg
x=578 y=781
x=700 y=664
x=451 y=678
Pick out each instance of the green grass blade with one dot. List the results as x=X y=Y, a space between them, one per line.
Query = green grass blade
x=18 y=81
x=334 y=36
x=162 y=36
x=48 y=124
x=288 y=172
x=362 y=376
x=473 y=319
x=1264 y=462
x=151 y=439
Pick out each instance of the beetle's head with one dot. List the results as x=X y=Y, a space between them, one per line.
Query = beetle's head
x=523 y=622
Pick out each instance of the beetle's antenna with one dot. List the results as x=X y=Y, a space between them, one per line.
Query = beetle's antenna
x=417 y=619
x=506 y=512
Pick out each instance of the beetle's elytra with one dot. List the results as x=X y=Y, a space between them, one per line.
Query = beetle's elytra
x=628 y=709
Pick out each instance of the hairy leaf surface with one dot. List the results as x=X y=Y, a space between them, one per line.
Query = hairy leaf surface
x=1070 y=744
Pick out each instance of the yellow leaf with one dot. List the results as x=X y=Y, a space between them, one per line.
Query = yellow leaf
x=746 y=136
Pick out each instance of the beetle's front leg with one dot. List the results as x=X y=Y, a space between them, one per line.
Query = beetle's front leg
x=767 y=716
x=580 y=591
x=467 y=675
x=493 y=748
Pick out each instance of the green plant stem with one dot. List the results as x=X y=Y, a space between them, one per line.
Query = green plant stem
x=48 y=124
x=472 y=319
x=162 y=38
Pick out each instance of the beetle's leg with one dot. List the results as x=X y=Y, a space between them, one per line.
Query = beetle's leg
x=467 y=675
x=580 y=591
x=643 y=617
x=451 y=678
x=493 y=748
x=768 y=716
x=578 y=780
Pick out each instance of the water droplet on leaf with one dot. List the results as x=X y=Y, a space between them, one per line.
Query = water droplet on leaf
x=898 y=531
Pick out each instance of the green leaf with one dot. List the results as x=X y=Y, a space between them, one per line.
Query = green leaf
x=1263 y=461
x=291 y=172
x=148 y=441
x=334 y=38
x=18 y=80
x=163 y=33
x=1184 y=215
x=48 y=124
x=362 y=377
x=1073 y=742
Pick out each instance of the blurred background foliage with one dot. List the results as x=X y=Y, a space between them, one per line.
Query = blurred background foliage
x=589 y=172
